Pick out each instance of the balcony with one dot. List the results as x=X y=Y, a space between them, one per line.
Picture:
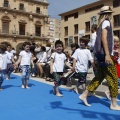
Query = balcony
x=21 y=34
x=6 y=5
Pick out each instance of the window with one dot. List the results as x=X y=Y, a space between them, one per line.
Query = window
x=5 y=24
x=37 y=10
x=116 y=3
x=66 y=42
x=76 y=29
x=116 y=20
x=66 y=31
x=87 y=24
x=5 y=27
x=21 y=29
x=117 y=33
x=76 y=15
x=21 y=7
x=66 y=18
x=94 y=8
x=6 y=3
x=38 y=30
x=76 y=39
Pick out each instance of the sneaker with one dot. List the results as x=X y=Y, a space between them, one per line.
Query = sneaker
x=33 y=75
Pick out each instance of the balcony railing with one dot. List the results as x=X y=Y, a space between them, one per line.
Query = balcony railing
x=22 y=34
x=6 y=5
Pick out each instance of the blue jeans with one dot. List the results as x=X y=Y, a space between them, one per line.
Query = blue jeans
x=118 y=82
x=10 y=69
x=25 y=72
x=2 y=72
x=35 y=69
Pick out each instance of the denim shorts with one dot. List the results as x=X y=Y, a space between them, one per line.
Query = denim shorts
x=2 y=76
x=25 y=72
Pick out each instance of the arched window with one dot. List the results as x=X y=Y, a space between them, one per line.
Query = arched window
x=38 y=28
x=5 y=24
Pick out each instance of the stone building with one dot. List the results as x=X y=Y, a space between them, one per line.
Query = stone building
x=23 y=20
x=54 y=31
x=77 y=22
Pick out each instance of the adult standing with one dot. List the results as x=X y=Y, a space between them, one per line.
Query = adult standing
x=93 y=37
x=103 y=50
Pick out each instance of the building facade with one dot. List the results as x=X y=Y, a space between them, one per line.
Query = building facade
x=77 y=22
x=23 y=20
x=54 y=32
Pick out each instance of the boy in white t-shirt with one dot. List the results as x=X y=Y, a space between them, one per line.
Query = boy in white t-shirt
x=81 y=57
x=3 y=63
x=58 y=60
x=10 y=62
x=25 y=59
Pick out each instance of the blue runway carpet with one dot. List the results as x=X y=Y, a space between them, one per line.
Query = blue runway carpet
x=39 y=103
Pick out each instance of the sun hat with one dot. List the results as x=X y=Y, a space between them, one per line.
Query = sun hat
x=105 y=9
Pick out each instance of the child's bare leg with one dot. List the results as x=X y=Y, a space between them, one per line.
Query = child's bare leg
x=56 y=91
x=0 y=87
x=76 y=88
x=107 y=93
x=23 y=84
x=83 y=86
x=26 y=84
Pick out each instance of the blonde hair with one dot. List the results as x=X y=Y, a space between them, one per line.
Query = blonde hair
x=116 y=39
x=104 y=16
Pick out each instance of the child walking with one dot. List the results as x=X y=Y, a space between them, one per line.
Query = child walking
x=81 y=57
x=58 y=60
x=25 y=59
x=3 y=63
x=10 y=62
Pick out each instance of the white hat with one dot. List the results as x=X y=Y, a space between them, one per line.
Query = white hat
x=105 y=9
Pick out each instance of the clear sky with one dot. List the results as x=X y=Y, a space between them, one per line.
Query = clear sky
x=59 y=6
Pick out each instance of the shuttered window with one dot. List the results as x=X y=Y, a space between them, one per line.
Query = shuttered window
x=5 y=27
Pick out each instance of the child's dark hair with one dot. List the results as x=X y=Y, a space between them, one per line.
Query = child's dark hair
x=26 y=43
x=8 y=45
x=74 y=45
x=43 y=48
x=85 y=40
x=94 y=27
x=59 y=42
x=2 y=48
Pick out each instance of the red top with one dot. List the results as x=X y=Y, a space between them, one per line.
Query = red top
x=116 y=56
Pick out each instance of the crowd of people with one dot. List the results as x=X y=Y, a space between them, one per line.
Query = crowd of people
x=54 y=64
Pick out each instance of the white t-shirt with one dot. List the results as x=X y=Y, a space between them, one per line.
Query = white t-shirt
x=3 y=61
x=59 y=61
x=82 y=56
x=92 y=40
x=26 y=58
x=105 y=24
x=10 y=55
x=42 y=57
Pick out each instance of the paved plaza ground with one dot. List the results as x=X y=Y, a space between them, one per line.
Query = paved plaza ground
x=39 y=103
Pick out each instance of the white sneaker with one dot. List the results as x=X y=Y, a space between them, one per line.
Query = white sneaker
x=33 y=75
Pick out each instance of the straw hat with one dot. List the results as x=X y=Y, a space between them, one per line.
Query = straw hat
x=105 y=9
